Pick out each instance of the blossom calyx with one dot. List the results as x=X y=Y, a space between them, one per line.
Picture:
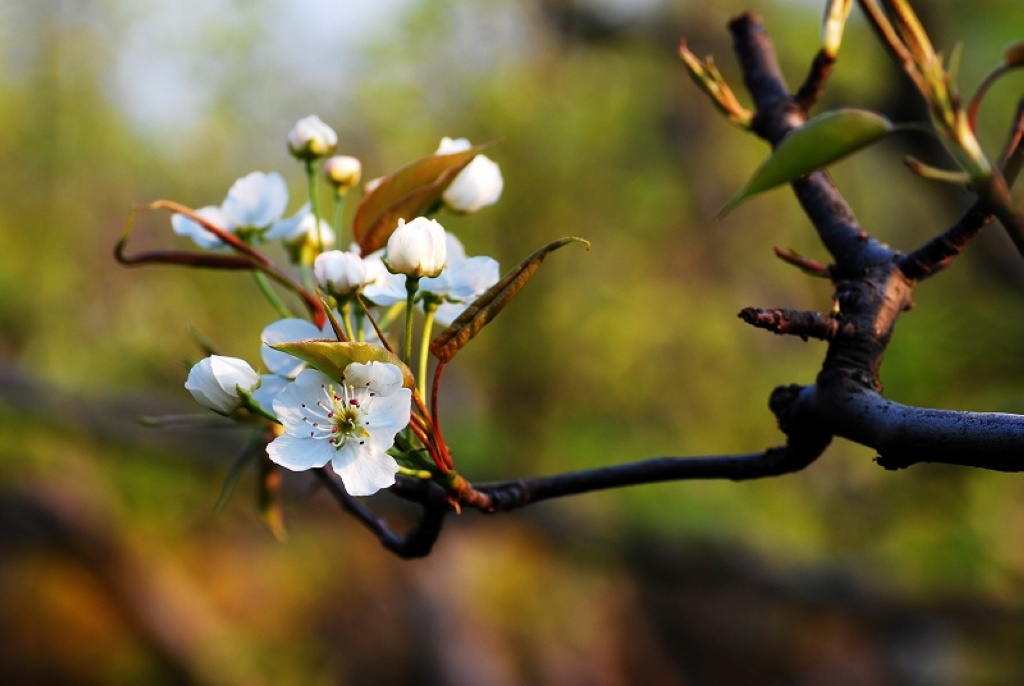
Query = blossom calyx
x=218 y=383
x=310 y=138
x=417 y=248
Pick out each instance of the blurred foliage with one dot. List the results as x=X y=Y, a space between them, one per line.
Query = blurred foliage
x=114 y=567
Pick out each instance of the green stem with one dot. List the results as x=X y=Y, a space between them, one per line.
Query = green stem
x=430 y=308
x=270 y=294
x=339 y=205
x=311 y=176
x=412 y=283
x=346 y=318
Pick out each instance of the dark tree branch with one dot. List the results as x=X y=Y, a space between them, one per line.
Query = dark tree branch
x=873 y=287
x=939 y=253
x=509 y=495
x=905 y=435
x=778 y=114
x=419 y=541
x=811 y=89
x=802 y=323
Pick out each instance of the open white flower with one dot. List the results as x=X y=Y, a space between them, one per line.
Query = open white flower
x=252 y=210
x=351 y=424
x=416 y=248
x=256 y=200
x=215 y=382
x=478 y=185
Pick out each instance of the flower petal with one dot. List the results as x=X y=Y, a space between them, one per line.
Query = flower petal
x=256 y=200
x=298 y=454
x=364 y=469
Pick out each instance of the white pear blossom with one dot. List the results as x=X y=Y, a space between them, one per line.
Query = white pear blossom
x=256 y=200
x=251 y=210
x=350 y=424
x=289 y=330
x=311 y=138
x=462 y=281
x=478 y=185
x=339 y=272
x=416 y=248
x=215 y=382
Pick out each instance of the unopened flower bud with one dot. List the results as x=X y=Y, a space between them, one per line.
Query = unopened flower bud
x=417 y=249
x=340 y=273
x=310 y=138
x=343 y=171
x=478 y=185
x=216 y=382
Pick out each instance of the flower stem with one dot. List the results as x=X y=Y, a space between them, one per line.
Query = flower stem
x=411 y=284
x=270 y=294
x=429 y=307
x=346 y=318
x=311 y=176
x=339 y=205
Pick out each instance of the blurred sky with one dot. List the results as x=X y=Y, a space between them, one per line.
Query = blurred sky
x=158 y=78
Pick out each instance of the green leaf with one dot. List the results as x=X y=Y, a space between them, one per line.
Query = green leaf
x=406 y=194
x=487 y=306
x=819 y=142
x=331 y=357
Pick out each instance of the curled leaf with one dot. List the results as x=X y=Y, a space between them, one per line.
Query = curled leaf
x=487 y=306
x=407 y=193
x=819 y=142
x=331 y=357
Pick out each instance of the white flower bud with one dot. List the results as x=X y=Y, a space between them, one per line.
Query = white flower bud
x=417 y=248
x=343 y=171
x=478 y=185
x=339 y=272
x=310 y=138
x=215 y=382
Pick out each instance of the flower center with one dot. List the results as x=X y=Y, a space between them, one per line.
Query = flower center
x=343 y=414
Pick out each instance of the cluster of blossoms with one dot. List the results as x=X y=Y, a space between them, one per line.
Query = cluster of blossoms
x=333 y=388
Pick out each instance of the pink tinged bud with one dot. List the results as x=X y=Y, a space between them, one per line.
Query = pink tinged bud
x=343 y=171
x=215 y=382
x=310 y=138
x=417 y=248
x=339 y=272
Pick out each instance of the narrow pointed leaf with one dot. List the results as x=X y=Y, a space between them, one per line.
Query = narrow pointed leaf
x=485 y=308
x=331 y=357
x=407 y=193
x=818 y=143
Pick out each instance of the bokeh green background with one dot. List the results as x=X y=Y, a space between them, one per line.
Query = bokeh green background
x=114 y=565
